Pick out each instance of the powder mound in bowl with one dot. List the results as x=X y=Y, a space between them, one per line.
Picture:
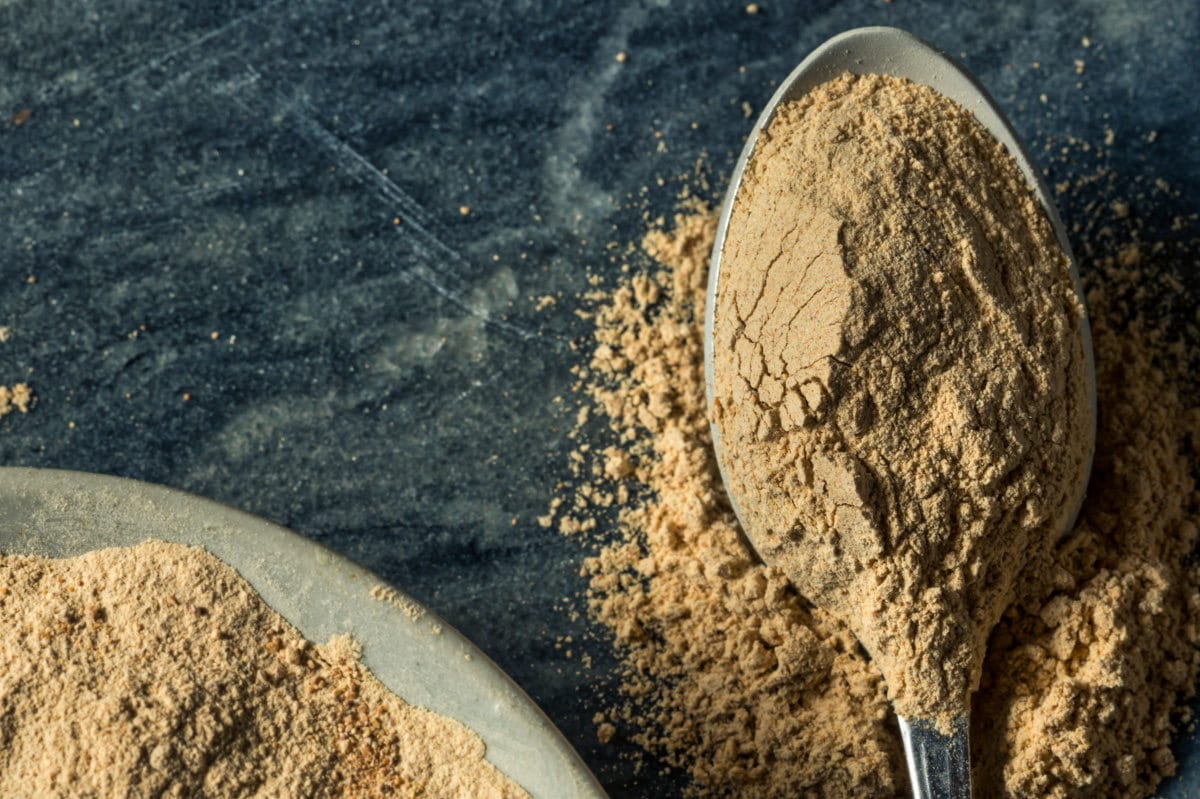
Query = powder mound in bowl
x=904 y=406
x=156 y=670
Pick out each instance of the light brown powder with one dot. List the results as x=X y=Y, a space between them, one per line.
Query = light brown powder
x=17 y=398
x=729 y=673
x=157 y=671
x=1083 y=676
x=899 y=375
x=733 y=677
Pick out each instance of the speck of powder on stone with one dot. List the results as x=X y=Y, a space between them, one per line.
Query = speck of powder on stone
x=17 y=398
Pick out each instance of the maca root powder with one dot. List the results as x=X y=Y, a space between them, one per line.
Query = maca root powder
x=898 y=375
x=156 y=670
x=731 y=676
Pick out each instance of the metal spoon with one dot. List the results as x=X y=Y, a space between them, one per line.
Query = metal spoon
x=938 y=764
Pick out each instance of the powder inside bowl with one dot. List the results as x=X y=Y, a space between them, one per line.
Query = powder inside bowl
x=899 y=377
x=156 y=670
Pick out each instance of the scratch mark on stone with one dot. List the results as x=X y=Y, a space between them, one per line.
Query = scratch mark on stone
x=360 y=168
x=158 y=61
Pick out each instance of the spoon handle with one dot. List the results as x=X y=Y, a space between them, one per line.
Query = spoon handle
x=939 y=766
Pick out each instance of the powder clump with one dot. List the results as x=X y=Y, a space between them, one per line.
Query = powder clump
x=904 y=408
x=156 y=670
x=17 y=398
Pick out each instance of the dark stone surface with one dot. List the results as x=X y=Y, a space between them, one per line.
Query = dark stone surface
x=385 y=387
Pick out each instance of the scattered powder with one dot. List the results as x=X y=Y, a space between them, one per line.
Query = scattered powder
x=18 y=398
x=730 y=675
x=728 y=672
x=157 y=671
x=1085 y=674
x=899 y=382
x=388 y=595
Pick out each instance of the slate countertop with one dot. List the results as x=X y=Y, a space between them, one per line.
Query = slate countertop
x=235 y=260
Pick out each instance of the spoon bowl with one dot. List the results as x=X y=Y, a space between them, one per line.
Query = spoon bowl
x=939 y=764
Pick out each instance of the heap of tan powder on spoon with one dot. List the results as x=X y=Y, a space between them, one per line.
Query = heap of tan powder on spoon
x=899 y=377
x=731 y=676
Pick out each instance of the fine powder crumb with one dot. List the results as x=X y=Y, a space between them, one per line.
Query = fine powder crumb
x=156 y=670
x=17 y=398
x=388 y=595
x=899 y=379
x=733 y=677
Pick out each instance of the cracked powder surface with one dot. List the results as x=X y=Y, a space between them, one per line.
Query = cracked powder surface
x=899 y=375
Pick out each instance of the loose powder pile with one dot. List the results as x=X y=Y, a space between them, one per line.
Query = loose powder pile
x=899 y=375
x=157 y=670
x=729 y=674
